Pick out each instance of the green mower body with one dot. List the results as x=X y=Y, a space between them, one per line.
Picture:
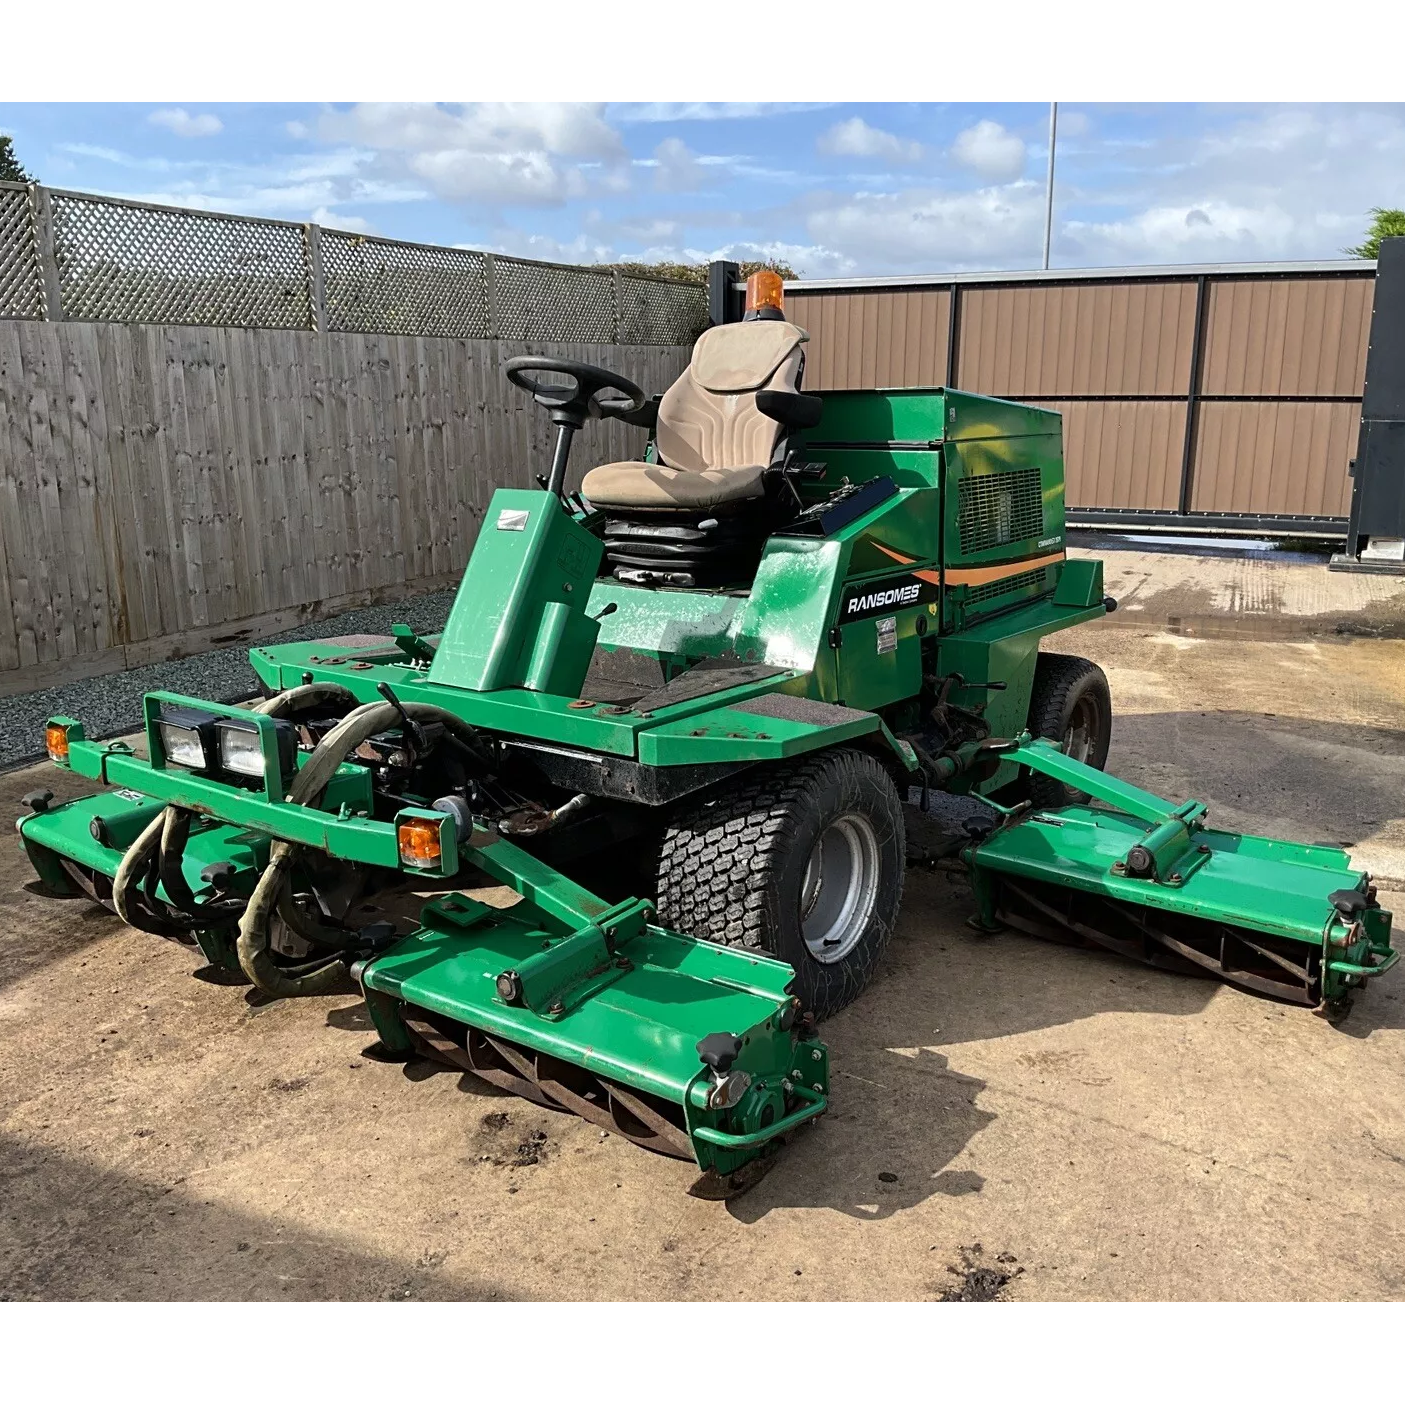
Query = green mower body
x=565 y=717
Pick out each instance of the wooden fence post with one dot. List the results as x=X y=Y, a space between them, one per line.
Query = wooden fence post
x=490 y=278
x=316 y=282
x=45 y=247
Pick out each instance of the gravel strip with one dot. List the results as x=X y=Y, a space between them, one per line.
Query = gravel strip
x=111 y=705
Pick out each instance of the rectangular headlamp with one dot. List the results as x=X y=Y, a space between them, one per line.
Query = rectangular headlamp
x=239 y=746
x=187 y=736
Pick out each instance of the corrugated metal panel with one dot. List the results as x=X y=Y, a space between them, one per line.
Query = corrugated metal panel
x=861 y=341
x=1095 y=339
x=1125 y=454
x=1302 y=336
x=1288 y=458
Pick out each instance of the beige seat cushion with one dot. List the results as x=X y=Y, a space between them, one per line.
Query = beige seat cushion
x=656 y=485
x=713 y=443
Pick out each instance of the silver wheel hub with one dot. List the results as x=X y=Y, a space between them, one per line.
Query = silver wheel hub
x=839 y=888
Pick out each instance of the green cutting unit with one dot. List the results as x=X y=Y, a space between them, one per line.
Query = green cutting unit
x=638 y=819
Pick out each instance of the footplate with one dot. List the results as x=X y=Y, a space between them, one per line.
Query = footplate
x=1145 y=877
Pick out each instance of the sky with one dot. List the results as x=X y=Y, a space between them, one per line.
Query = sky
x=835 y=190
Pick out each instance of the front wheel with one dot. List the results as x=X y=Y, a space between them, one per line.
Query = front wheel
x=804 y=861
x=1070 y=705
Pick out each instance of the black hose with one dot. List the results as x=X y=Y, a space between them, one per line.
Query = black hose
x=312 y=780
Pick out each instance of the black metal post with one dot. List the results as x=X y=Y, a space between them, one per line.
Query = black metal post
x=953 y=335
x=1192 y=399
x=724 y=303
x=1378 y=472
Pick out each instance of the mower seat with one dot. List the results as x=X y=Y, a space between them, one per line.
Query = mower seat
x=713 y=442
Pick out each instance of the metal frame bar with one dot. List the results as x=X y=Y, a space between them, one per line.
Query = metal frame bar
x=1240 y=523
x=1157 y=273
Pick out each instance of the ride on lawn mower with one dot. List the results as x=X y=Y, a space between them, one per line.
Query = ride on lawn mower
x=698 y=716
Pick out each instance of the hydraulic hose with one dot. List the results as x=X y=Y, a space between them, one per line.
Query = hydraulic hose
x=280 y=704
x=163 y=840
x=323 y=975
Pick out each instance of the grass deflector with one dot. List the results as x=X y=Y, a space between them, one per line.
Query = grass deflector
x=638 y=819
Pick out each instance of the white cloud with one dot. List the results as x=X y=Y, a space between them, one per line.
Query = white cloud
x=299 y=131
x=179 y=121
x=990 y=151
x=856 y=138
x=581 y=249
x=933 y=230
x=503 y=153
x=1074 y=124
x=334 y=219
x=677 y=168
x=708 y=111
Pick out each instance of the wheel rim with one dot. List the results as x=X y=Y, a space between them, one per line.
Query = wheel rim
x=839 y=888
x=1084 y=725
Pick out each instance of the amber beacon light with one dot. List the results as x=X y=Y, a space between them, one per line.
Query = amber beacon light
x=765 y=289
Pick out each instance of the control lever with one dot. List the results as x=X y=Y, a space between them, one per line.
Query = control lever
x=412 y=731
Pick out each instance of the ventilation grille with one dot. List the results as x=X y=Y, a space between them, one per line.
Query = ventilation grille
x=1006 y=587
x=999 y=508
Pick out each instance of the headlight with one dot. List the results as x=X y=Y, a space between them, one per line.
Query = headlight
x=186 y=737
x=240 y=747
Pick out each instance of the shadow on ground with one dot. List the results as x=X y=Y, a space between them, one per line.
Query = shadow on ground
x=72 y=1230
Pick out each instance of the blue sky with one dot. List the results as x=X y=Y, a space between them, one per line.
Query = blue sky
x=845 y=189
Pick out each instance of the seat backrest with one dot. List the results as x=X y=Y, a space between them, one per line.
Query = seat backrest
x=708 y=416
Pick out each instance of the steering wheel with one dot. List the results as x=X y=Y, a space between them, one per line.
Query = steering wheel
x=574 y=403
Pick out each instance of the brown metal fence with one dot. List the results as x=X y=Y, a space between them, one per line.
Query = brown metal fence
x=1215 y=397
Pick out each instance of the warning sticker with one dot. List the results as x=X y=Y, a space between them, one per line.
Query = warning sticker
x=888 y=634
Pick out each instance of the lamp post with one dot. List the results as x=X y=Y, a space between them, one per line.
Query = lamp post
x=1049 y=183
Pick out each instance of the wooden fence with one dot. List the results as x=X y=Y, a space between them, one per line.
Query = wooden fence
x=166 y=490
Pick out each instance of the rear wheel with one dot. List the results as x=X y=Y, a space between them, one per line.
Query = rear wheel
x=1071 y=705
x=804 y=861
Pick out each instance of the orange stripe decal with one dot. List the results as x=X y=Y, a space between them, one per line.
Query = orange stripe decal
x=931 y=577
x=973 y=575
x=983 y=575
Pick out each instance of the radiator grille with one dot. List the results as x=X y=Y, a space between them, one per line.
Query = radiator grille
x=995 y=509
x=1006 y=587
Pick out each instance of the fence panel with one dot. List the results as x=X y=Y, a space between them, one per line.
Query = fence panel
x=859 y=340
x=380 y=285
x=165 y=490
x=1098 y=339
x=21 y=281
x=122 y=262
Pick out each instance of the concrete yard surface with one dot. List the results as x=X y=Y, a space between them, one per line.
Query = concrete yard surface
x=1004 y=1108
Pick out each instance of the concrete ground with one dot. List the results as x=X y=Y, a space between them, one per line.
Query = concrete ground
x=1088 y=1127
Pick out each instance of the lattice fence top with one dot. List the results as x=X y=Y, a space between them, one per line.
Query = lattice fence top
x=21 y=284
x=378 y=285
x=547 y=302
x=140 y=263
x=654 y=313
x=113 y=260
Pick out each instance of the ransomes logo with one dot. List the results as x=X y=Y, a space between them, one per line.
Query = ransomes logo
x=883 y=597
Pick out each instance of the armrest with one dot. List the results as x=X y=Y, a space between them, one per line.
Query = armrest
x=645 y=417
x=792 y=410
